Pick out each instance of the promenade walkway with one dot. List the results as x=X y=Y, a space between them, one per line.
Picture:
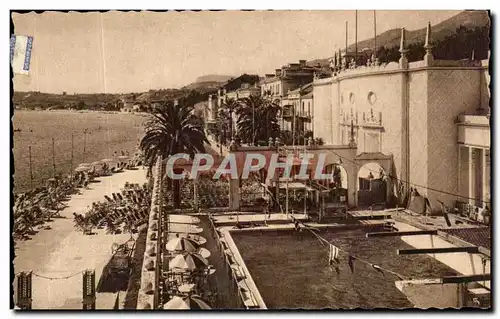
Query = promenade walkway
x=62 y=251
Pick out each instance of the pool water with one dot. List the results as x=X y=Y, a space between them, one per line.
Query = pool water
x=291 y=269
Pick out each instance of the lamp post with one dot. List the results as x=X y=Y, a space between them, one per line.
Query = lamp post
x=277 y=142
x=287 y=194
x=306 y=194
x=220 y=138
x=253 y=124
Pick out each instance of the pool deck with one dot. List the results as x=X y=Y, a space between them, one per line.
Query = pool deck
x=62 y=251
x=273 y=218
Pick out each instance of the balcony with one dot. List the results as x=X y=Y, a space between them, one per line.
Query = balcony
x=474 y=131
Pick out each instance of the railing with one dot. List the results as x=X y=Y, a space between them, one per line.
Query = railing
x=149 y=296
x=472 y=212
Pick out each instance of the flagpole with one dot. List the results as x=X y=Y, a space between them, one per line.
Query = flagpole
x=356 y=37
x=375 y=32
x=346 y=37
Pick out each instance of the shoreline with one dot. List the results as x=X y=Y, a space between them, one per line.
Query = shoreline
x=144 y=114
x=96 y=136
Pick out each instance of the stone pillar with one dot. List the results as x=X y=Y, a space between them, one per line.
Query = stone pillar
x=352 y=191
x=403 y=61
x=195 y=194
x=471 y=178
x=211 y=108
x=234 y=194
x=486 y=178
x=428 y=58
x=459 y=175
x=405 y=114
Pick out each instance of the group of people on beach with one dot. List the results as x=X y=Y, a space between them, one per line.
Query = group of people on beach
x=33 y=209
x=120 y=212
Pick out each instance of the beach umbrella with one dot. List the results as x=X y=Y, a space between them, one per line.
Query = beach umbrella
x=188 y=261
x=107 y=160
x=97 y=163
x=190 y=302
x=182 y=244
x=85 y=165
x=203 y=252
x=186 y=288
x=82 y=169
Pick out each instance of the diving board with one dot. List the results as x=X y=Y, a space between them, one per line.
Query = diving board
x=402 y=233
x=470 y=250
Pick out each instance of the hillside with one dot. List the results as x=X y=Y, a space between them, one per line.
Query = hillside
x=191 y=94
x=440 y=32
x=391 y=38
x=204 y=86
x=213 y=78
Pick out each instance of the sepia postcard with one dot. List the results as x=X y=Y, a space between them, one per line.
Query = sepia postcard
x=251 y=160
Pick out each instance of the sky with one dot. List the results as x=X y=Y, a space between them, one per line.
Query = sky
x=122 y=52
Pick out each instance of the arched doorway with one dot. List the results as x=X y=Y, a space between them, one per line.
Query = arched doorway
x=337 y=183
x=371 y=185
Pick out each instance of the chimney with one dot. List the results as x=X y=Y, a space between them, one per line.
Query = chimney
x=302 y=63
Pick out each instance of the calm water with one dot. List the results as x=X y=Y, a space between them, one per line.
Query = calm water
x=100 y=134
x=291 y=270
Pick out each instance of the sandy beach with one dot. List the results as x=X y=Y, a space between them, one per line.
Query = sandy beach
x=62 y=251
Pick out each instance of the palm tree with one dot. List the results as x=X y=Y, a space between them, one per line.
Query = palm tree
x=229 y=107
x=223 y=121
x=172 y=130
x=258 y=119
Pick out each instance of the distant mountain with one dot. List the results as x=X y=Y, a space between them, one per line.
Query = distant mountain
x=214 y=78
x=203 y=86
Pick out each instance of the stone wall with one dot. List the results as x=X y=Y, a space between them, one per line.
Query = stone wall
x=450 y=92
x=419 y=148
x=323 y=106
x=375 y=100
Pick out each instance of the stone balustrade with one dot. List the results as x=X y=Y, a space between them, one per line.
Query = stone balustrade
x=149 y=289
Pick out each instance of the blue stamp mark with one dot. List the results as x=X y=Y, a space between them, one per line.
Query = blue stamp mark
x=27 y=57
x=12 y=47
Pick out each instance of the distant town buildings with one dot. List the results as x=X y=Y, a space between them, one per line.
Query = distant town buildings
x=297 y=111
x=290 y=88
x=236 y=89
x=289 y=77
